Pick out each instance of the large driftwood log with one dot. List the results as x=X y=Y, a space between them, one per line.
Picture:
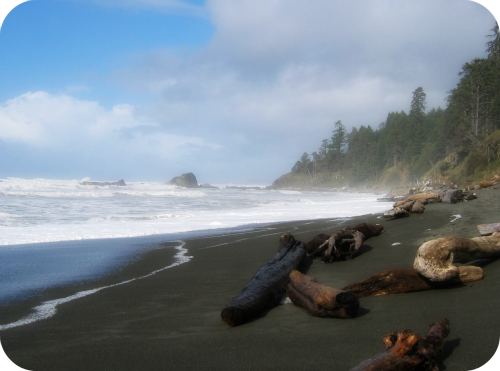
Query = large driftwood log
x=435 y=258
x=396 y=281
x=406 y=350
x=321 y=300
x=344 y=244
x=267 y=287
x=424 y=197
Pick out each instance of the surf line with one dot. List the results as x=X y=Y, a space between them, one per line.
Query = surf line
x=48 y=308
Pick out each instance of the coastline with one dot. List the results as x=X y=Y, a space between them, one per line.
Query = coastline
x=172 y=319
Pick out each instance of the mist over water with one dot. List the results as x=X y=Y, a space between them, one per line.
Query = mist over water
x=43 y=210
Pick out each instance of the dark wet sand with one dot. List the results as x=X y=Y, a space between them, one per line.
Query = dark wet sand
x=172 y=320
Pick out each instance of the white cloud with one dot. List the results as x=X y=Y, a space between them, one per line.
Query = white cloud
x=278 y=73
x=62 y=122
x=270 y=83
x=277 y=63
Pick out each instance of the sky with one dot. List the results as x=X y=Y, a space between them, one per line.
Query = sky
x=234 y=91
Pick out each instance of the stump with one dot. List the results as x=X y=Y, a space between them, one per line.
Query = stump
x=406 y=350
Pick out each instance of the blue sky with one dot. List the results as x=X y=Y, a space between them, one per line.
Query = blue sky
x=234 y=91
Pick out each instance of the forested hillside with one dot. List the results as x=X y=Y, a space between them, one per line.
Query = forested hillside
x=460 y=143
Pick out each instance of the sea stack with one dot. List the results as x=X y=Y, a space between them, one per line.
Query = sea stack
x=187 y=180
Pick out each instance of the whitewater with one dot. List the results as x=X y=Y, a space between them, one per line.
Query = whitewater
x=48 y=210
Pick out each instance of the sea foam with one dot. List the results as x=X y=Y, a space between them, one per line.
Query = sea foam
x=49 y=308
x=43 y=210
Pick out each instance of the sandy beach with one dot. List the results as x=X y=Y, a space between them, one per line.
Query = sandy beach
x=171 y=320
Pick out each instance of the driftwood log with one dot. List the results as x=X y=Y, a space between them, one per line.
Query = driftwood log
x=396 y=213
x=267 y=287
x=406 y=350
x=321 y=300
x=344 y=244
x=424 y=197
x=487 y=229
x=396 y=281
x=435 y=259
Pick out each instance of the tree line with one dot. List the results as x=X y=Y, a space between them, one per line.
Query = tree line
x=457 y=143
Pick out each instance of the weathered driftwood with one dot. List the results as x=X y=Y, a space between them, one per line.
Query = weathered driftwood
x=487 y=229
x=487 y=183
x=407 y=205
x=313 y=246
x=267 y=287
x=469 y=196
x=406 y=350
x=417 y=207
x=451 y=196
x=424 y=197
x=348 y=242
x=396 y=213
x=435 y=258
x=321 y=300
x=395 y=281
x=343 y=244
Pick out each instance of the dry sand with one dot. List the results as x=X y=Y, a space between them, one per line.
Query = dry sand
x=172 y=320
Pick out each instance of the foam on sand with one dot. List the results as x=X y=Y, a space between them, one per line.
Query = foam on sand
x=49 y=308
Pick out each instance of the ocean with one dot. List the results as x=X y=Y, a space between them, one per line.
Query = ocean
x=59 y=232
x=46 y=210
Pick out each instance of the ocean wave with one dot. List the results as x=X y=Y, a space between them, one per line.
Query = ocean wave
x=48 y=308
x=63 y=210
x=48 y=188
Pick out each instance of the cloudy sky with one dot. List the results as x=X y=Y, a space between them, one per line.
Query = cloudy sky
x=234 y=91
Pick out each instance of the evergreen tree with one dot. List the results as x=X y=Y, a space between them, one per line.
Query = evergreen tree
x=417 y=109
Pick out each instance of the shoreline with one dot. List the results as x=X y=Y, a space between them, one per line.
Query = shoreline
x=172 y=319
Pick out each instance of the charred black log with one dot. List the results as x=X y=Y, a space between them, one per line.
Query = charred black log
x=406 y=351
x=267 y=287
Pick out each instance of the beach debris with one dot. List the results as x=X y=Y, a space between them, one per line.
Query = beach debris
x=396 y=213
x=469 y=196
x=417 y=207
x=313 y=246
x=395 y=281
x=407 y=350
x=267 y=287
x=424 y=197
x=486 y=183
x=452 y=196
x=435 y=258
x=455 y=218
x=487 y=229
x=321 y=300
x=346 y=243
x=396 y=244
x=415 y=202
